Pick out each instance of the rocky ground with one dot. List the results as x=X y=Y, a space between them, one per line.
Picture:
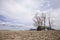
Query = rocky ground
x=29 y=35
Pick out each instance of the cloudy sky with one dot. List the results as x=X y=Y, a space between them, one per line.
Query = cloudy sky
x=22 y=11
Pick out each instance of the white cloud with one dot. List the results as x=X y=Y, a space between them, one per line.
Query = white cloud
x=21 y=12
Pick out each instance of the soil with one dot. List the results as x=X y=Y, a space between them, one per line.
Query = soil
x=30 y=35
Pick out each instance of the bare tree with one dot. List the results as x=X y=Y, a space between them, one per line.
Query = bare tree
x=36 y=20
x=39 y=21
x=50 y=21
x=44 y=19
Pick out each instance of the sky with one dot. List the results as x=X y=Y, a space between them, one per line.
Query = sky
x=23 y=11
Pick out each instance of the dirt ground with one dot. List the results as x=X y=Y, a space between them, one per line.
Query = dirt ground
x=29 y=35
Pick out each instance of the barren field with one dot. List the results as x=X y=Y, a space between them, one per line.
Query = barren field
x=29 y=35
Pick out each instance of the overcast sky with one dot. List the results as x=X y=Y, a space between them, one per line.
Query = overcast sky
x=22 y=11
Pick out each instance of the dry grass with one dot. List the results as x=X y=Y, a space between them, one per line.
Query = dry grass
x=29 y=35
